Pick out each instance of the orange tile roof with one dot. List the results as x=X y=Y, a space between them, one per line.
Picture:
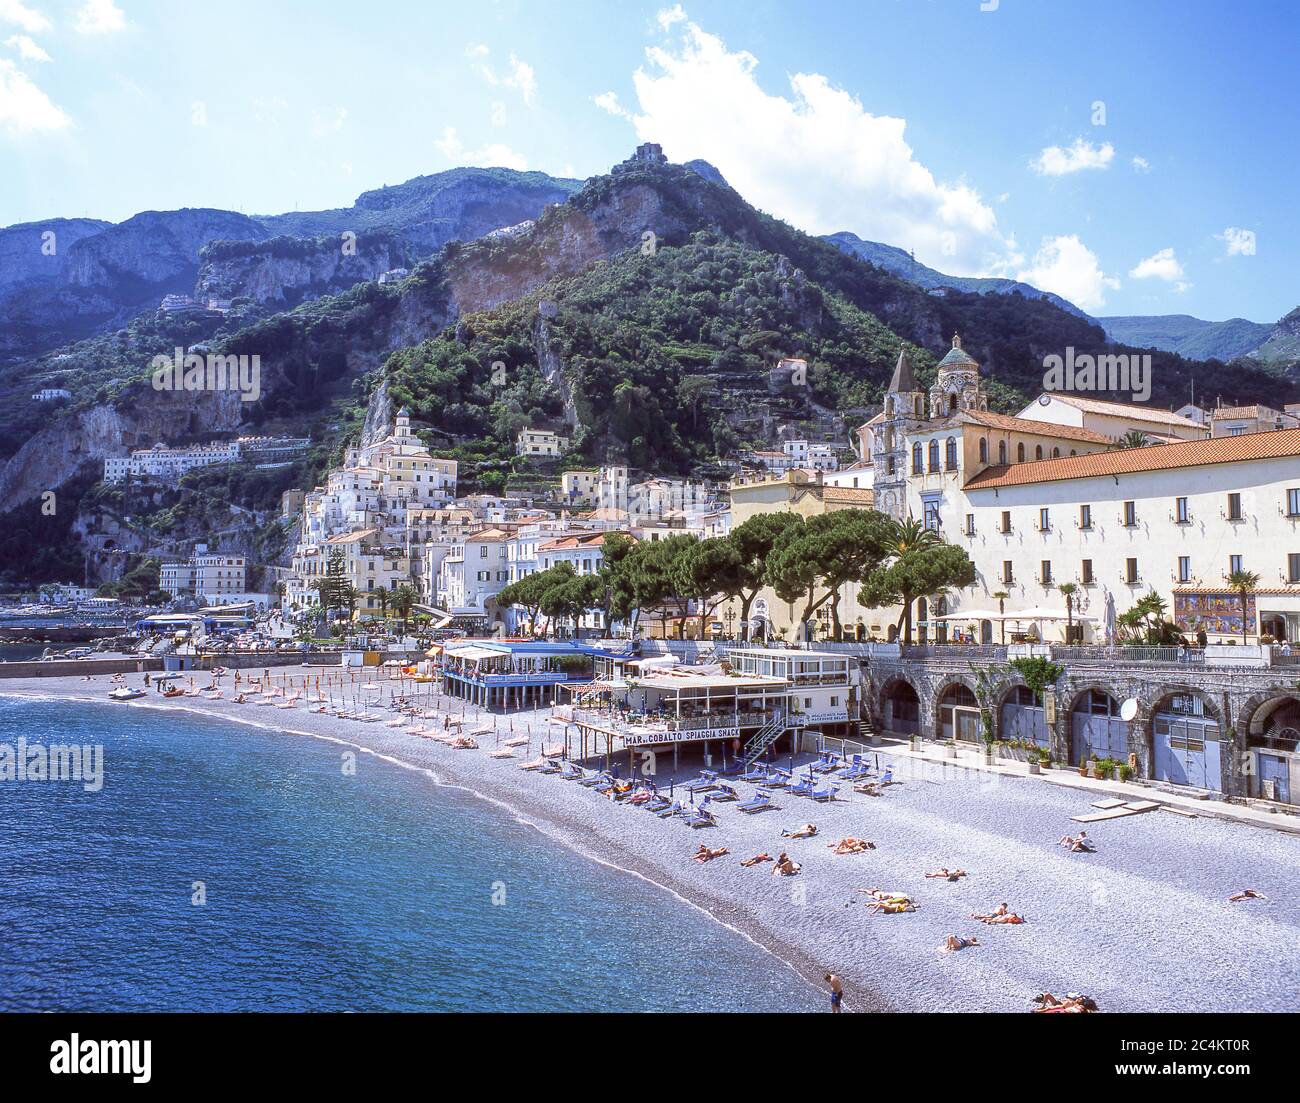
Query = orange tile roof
x=1033 y=428
x=1158 y=457
x=863 y=496
x=1124 y=409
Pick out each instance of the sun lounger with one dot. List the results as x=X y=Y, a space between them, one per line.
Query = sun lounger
x=501 y=754
x=759 y=773
x=701 y=817
x=759 y=802
x=855 y=770
x=827 y=763
x=517 y=741
x=536 y=764
x=591 y=780
x=572 y=772
x=724 y=792
x=658 y=804
x=802 y=788
x=702 y=784
x=676 y=808
x=823 y=795
x=604 y=785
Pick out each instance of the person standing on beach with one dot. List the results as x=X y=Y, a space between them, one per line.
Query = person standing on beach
x=837 y=992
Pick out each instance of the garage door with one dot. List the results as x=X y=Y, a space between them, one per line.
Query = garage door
x=1187 y=750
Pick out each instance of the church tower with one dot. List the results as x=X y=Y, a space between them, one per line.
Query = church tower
x=957 y=386
x=904 y=410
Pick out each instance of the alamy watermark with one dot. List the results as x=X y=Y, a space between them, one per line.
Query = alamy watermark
x=1111 y=372
x=209 y=372
x=57 y=762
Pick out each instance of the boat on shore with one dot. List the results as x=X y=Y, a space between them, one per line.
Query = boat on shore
x=125 y=693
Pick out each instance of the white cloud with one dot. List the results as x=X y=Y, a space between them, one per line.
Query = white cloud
x=1081 y=155
x=326 y=123
x=24 y=108
x=669 y=16
x=1066 y=266
x=1238 y=242
x=99 y=17
x=609 y=102
x=29 y=19
x=1161 y=265
x=495 y=155
x=27 y=49
x=521 y=77
x=1141 y=164
x=814 y=157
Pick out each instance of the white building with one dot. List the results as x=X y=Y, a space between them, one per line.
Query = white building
x=165 y=464
x=49 y=394
x=215 y=579
x=1112 y=419
x=540 y=443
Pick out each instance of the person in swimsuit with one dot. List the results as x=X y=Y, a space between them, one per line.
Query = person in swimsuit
x=956 y=942
x=949 y=874
x=837 y=992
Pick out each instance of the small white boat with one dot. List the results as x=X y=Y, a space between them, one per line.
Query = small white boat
x=125 y=693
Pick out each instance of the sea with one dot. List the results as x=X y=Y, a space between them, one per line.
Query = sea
x=223 y=867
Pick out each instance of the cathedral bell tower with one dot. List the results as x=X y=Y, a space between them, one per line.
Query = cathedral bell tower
x=904 y=411
x=957 y=386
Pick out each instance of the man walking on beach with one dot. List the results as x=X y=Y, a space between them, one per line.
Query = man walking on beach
x=837 y=992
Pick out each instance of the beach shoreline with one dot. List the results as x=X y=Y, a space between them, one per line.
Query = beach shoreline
x=816 y=922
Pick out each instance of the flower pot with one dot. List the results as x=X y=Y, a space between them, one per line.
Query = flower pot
x=950 y=751
x=1034 y=768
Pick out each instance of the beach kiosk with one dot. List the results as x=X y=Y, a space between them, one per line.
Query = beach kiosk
x=500 y=675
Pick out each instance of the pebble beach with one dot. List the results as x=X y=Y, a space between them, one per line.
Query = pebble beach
x=1142 y=924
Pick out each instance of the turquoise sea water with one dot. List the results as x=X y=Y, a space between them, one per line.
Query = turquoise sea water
x=380 y=891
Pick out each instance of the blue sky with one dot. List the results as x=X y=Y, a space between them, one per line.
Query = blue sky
x=1135 y=157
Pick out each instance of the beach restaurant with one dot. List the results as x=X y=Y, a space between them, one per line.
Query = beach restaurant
x=655 y=704
x=514 y=674
x=823 y=684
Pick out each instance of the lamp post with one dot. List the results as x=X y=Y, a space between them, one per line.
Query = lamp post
x=731 y=621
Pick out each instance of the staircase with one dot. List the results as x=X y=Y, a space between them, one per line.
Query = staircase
x=765 y=737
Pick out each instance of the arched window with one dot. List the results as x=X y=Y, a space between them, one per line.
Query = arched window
x=952 y=403
x=950 y=457
x=984 y=450
x=918 y=465
x=934 y=455
x=1056 y=453
x=1020 y=453
x=1073 y=452
x=1002 y=451
x=889 y=407
x=1038 y=452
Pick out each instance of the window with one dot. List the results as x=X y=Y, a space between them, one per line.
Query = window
x=1130 y=515
x=1181 y=515
x=1130 y=570
x=1002 y=451
x=1045 y=575
x=970 y=524
x=1020 y=453
x=1044 y=520
x=1085 y=572
x=1234 y=564
x=950 y=455
x=932 y=514
x=482 y=551
x=918 y=464
x=1085 y=517
x=1007 y=576
x=984 y=458
x=1056 y=453
x=934 y=455
x=1234 y=507
x=1006 y=520
x=1184 y=568
x=1293 y=567
x=1293 y=502
x=1038 y=452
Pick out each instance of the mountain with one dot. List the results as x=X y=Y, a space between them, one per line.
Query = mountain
x=650 y=311
x=903 y=264
x=1191 y=337
x=103 y=274
x=1282 y=344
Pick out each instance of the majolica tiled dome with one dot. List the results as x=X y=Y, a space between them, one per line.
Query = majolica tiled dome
x=957 y=356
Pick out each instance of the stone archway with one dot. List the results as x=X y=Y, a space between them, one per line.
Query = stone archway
x=899 y=706
x=1094 y=728
x=1270 y=757
x=1185 y=739
x=956 y=709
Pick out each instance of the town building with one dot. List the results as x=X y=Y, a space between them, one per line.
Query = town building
x=1112 y=419
x=540 y=443
x=211 y=577
x=50 y=394
x=1235 y=421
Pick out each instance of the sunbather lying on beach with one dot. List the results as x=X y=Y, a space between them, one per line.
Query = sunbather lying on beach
x=948 y=874
x=1000 y=914
x=1246 y=894
x=707 y=854
x=891 y=907
x=807 y=831
x=785 y=867
x=851 y=845
x=757 y=859
x=1078 y=844
x=1073 y=1004
x=957 y=942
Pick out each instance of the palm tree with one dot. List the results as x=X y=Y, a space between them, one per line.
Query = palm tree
x=1244 y=582
x=1002 y=596
x=907 y=538
x=383 y=595
x=1134 y=438
x=1068 y=590
x=402 y=599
